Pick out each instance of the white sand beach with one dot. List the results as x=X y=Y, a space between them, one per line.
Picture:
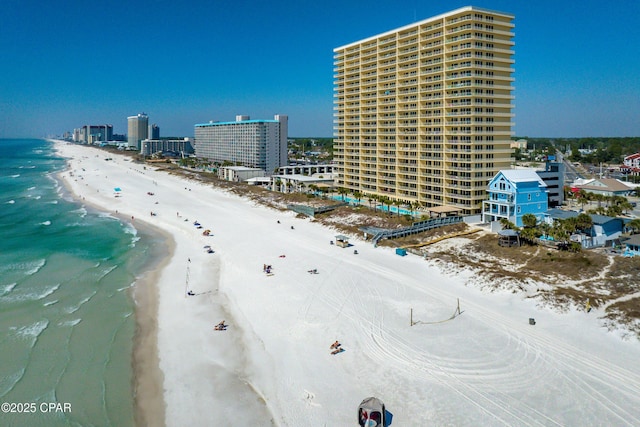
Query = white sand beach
x=273 y=366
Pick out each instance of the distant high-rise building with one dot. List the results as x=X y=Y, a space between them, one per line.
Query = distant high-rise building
x=138 y=129
x=253 y=143
x=91 y=134
x=154 y=132
x=423 y=113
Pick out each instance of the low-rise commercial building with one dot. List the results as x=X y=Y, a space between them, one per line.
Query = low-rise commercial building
x=149 y=147
x=239 y=173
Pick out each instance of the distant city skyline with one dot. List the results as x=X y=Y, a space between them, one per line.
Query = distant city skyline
x=190 y=62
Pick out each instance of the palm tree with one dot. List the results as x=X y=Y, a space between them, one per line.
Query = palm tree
x=507 y=225
x=418 y=205
x=388 y=202
x=559 y=231
x=614 y=210
x=583 y=197
x=583 y=222
x=626 y=206
x=568 y=194
x=397 y=203
x=342 y=191
x=529 y=220
x=375 y=199
x=529 y=234
x=599 y=198
x=570 y=225
x=414 y=206
x=622 y=203
x=634 y=225
x=357 y=195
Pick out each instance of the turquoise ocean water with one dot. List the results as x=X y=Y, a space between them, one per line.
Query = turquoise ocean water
x=66 y=312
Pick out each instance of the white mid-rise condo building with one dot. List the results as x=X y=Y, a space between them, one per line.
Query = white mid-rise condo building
x=244 y=142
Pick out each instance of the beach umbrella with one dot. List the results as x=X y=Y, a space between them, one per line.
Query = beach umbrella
x=117 y=189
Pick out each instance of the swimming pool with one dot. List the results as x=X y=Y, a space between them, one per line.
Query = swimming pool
x=380 y=206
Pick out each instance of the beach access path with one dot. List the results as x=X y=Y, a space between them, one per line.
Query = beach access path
x=273 y=364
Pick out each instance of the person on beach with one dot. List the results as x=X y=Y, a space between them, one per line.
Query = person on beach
x=220 y=326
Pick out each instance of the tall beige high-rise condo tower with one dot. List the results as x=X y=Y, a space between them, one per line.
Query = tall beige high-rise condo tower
x=423 y=113
x=138 y=129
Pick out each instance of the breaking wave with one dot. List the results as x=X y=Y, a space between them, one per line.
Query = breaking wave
x=48 y=291
x=73 y=322
x=29 y=268
x=106 y=272
x=7 y=288
x=73 y=308
x=8 y=382
x=37 y=265
x=32 y=331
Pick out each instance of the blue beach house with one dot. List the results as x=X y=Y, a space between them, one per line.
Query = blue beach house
x=514 y=193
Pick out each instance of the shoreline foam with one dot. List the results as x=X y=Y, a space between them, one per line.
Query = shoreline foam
x=147 y=377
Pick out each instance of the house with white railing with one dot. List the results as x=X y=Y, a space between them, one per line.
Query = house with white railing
x=514 y=193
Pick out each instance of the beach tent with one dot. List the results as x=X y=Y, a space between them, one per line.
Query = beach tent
x=342 y=241
x=371 y=413
x=117 y=189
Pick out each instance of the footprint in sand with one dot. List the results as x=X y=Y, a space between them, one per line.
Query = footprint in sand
x=308 y=397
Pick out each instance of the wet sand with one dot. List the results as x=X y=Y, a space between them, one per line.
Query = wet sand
x=149 y=405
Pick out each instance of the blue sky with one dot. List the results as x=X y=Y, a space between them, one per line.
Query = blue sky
x=67 y=63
